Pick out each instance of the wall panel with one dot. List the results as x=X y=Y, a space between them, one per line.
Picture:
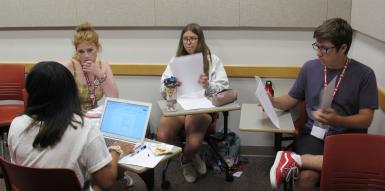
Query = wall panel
x=339 y=8
x=117 y=12
x=40 y=13
x=204 y=12
x=282 y=13
x=368 y=17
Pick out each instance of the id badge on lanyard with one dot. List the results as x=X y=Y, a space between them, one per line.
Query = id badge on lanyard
x=318 y=130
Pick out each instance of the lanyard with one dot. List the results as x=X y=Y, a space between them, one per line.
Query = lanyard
x=91 y=91
x=342 y=75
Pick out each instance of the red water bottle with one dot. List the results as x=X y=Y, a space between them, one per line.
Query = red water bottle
x=269 y=88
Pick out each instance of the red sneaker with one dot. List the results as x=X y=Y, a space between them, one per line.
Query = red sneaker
x=284 y=167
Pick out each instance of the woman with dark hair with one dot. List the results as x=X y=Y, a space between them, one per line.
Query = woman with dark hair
x=213 y=80
x=53 y=134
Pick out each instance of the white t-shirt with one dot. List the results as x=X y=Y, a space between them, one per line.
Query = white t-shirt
x=82 y=149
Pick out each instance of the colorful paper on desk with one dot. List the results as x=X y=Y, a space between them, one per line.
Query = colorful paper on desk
x=159 y=149
x=266 y=103
x=144 y=158
x=195 y=100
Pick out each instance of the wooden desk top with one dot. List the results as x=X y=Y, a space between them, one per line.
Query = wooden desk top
x=141 y=169
x=254 y=119
x=181 y=111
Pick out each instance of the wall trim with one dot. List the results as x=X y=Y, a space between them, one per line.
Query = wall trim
x=233 y=71
x=381 y=98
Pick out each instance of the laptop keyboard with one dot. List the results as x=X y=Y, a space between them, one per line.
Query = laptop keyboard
x=109 y=141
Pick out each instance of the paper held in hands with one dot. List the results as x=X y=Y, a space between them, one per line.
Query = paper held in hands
x=263 y=98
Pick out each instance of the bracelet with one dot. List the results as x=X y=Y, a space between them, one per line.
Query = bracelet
x=97 y=81
x=116 y=148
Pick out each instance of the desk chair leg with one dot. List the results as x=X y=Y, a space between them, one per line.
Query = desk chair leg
x=225 y=123
x=165 y=183
x=148 y=178
x=229 y=176
x=277 y=141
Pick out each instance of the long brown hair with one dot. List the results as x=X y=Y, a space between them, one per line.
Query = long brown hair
x=201 y=47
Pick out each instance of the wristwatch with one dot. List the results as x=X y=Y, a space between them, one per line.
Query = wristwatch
x=116 y=148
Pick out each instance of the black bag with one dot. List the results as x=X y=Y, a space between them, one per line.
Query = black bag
x=228 y=149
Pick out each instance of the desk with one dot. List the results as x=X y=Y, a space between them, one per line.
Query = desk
x=147 y=174
x=180 y=111
x=254 y=119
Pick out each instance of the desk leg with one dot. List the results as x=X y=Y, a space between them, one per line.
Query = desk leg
x=277 y=141
x=225 y=122
x=148 y=178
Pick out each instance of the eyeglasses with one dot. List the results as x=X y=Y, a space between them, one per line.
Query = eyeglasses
x=321 y=48
x=189 y=39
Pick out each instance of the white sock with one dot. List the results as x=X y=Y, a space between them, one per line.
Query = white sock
x=297 y=159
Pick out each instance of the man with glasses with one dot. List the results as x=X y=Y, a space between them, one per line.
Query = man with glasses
x=354 y=100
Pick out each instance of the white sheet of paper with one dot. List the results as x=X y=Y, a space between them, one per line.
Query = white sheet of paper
x=144 y=158
x=195 y=100
x=263 y=98
x=327 y=94
x=187 y=70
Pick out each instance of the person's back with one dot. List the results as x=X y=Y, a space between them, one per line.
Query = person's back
x=53 y=134
x=74 y=149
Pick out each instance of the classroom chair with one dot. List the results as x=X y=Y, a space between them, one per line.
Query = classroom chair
x=11 y=90
x=21 y=178
x=353 y=162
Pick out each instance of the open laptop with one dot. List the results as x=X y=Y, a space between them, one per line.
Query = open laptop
x=125 y=120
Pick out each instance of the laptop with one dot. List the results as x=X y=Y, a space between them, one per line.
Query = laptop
x=125 y=120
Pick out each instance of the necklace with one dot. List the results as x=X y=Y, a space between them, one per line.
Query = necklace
x=342 y=75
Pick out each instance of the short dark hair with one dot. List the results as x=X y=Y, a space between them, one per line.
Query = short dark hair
x=337 y=31
x=53 y=101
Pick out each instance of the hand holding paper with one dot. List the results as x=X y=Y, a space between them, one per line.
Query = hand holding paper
x=187 y=69
x=264 y=100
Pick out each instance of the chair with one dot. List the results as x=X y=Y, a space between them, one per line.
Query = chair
x=211 y=138
x=299 y=121
x=20 y=178
x=354 y=162
x=11 y=89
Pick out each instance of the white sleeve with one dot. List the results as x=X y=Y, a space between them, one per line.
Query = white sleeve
x=166 y=74
x=218 y=80
x=95 y=154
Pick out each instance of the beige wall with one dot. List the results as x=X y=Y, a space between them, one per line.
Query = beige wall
x=222 y=13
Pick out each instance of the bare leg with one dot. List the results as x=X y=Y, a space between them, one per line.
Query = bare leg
x=310 y=174
x=169 y=128
x=312 y=162
x=195 y=127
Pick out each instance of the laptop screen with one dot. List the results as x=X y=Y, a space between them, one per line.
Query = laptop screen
x=125 y=120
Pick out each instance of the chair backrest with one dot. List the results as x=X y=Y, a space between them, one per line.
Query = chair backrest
x=11 y=81
x=354 y=162
x=301 y=119
x=20 y=178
